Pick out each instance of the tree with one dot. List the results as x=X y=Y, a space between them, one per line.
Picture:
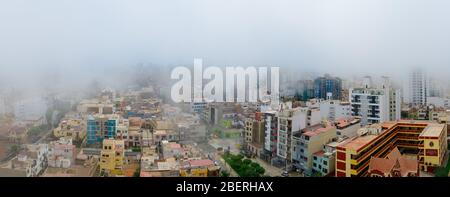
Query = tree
x=225 y=174
x=247 y=162
x=137 y=172
x=14 y=148
x=260 y=170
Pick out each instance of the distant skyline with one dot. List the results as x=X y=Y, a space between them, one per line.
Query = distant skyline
x=77 y=41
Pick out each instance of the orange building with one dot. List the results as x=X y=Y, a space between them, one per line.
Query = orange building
x=425 y=140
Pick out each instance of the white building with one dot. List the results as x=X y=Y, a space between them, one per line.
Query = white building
x=418 y=87
x=347 y=127
x=334 y=109
x=291 y=120
x=375 y=105
x=61 y=153
x=270 y=130
x=439 y=101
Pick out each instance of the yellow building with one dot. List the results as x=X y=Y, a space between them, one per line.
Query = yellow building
x=112 y=156
x=423 y=139
x=432 y=146
x=73 y=128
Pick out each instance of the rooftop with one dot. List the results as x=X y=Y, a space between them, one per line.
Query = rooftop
x=316 y=129
x=319 y=153
x=432 y=130
x=200 y=162
x=386 y=165
x=345 y=122
x=358 y=142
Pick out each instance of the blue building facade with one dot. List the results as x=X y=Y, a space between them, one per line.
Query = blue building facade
x=327 y=85
x=100 y=128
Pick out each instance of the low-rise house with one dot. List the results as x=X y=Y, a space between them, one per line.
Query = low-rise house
x=199 y=168
x=324 y=160
x=33 y=160
x=160 y=168
x=61 y=153
x=347 y=127
x=74 y=128
x=172 y=149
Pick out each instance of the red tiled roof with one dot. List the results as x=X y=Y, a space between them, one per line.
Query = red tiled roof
x=408 y=166
x=380 y=164
x=394 y=154
x=316 y=130
x=394 y=161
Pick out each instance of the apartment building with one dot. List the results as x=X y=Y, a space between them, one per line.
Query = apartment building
x=101 y=127
x=323 y=161
x=270 y=135
x=309 y=141
x=328 y=87
x=418 y=87
x=289 y=121
x=255 y=134
x=374 y=105
x=112 y=156
x=334 y=109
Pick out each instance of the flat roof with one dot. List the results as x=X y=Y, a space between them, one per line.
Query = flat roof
x=432 y=130
x=358 y=142
x=316 y=130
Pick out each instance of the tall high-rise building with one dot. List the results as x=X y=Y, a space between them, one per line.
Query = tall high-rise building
x=328 y=87
x=418 y=87
x=375 y=105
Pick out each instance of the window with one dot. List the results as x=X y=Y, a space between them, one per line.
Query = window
x=325 y=163
x=314 y=164
x=315 y=158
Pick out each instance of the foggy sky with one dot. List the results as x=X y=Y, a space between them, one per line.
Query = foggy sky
x=50 y=42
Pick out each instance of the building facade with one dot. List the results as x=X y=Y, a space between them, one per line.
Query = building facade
x=308 y=142
x=328 y=87
x=375 y=105
x=101 y=127
x=425 y=140
x=418 y=87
